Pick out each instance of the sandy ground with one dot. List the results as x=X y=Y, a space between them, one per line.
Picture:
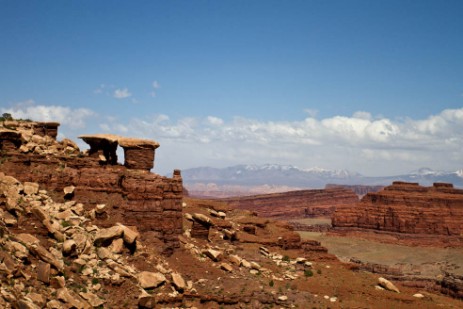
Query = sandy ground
x=430 y=260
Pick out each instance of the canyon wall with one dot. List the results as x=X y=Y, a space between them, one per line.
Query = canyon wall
x=406 y=208
x=296 y=204
x=133 y=196
x=360 y=190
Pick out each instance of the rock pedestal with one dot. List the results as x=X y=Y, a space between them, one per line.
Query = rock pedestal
x=138 y=153
x=102 y=145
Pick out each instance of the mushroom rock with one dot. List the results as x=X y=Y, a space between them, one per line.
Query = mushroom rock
x=138 y=153
x=102 y=144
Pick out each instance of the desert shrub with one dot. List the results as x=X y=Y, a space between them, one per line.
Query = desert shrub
x=308 y=273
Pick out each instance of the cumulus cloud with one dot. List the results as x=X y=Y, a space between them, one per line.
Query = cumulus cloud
x=122 y=93
x=74 y=118
x=360 y=142
x=215 y=121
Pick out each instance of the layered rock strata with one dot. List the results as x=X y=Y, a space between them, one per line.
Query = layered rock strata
x=133 y=196
x=407 y=208
x=296 y=204
x=138 y=153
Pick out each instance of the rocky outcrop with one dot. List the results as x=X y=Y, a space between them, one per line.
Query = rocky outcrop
x=303 y=203
x=407 y=208
x=9 y=139
x=138 y=153
x=132 y=195
x=104 y=145
x=77 y=270
x=360 y=190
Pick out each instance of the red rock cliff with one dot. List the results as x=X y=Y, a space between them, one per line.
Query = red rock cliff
x=133 y=196
x=302 y=203
x=407 y=208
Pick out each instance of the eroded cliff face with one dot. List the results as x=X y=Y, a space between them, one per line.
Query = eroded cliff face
x=133 y=196
x=297 y=204
x=407 y=208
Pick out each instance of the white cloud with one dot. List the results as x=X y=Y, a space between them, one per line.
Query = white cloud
x=361 y=142
x=362 y=115
x=74 y=118
x=122 y=93
x=215 y=121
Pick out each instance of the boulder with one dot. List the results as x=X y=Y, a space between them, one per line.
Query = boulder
x=235 y=259
x=129 y=235
x=31 y=188
x=117 y=246
x=19 y=250
x=69 y=247
x=203 y=219
x=43 y=254
x=72 y=299
x=104 y=253
x=226 y=267
x=43 y=272
x=69 y=191
x=100 y=209
x=105 y=236
x=27 y=303
x=149 y=280
x=9 y=219
x=178 y=282
x=388 y=285
x=214 y=255
x=245 y=263
x=28 y=239
x=146 y=301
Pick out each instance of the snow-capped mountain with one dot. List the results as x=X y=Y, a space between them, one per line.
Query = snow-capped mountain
x=288 y=175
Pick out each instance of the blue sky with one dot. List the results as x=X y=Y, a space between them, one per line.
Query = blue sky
x=371 y=86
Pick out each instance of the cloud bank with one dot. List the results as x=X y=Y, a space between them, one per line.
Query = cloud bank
x=361 y=142
x=374 y=146
x=74 y=118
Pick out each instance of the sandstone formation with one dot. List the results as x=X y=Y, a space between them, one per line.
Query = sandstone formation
x=407 y=208
x=138 y=153
x=131 y=192
x=80 y=231
x=296 y=204
x=360 y=190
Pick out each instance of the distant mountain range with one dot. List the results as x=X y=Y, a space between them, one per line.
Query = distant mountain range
x=276 y=178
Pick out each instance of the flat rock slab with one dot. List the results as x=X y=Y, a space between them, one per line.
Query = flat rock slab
x=105 y=236
x=149 y=280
